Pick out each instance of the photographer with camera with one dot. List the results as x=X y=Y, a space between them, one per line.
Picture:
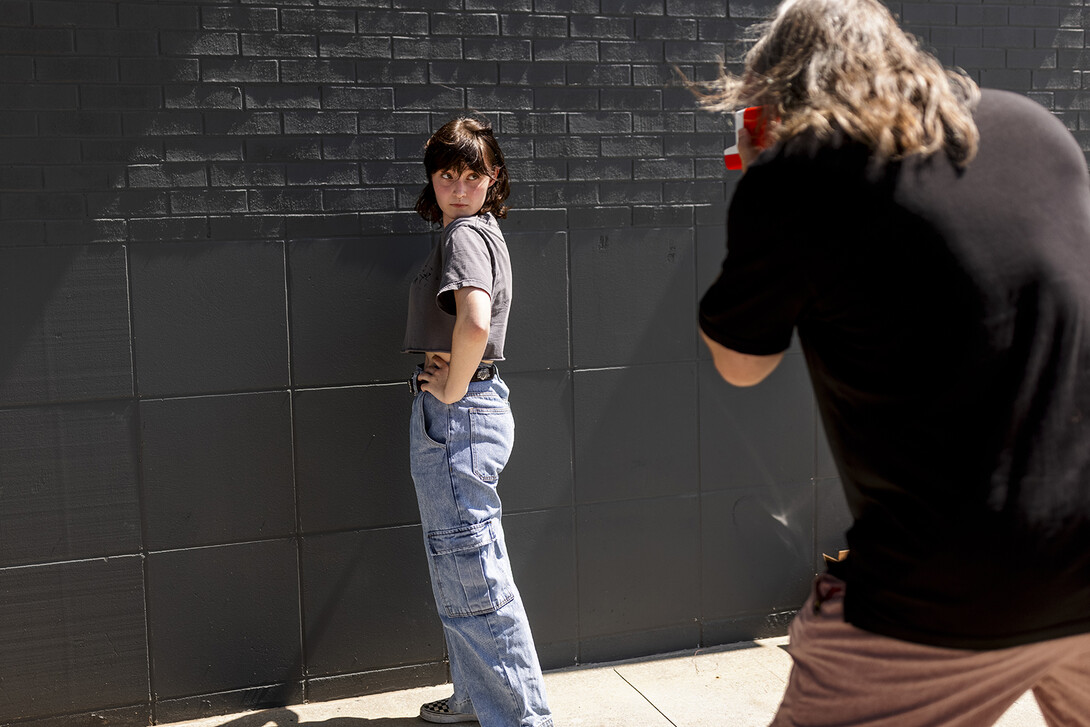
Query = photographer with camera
x=930 y=243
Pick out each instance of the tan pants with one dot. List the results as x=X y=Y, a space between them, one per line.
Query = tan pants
x=844 y=676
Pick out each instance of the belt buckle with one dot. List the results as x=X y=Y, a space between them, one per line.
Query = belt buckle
x=485 y=373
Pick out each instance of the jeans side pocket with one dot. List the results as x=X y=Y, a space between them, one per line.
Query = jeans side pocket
x=472 y=575
x=493 y=434
x=434 y=419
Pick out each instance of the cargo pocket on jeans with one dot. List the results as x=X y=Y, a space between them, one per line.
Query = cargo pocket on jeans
x=472 y=576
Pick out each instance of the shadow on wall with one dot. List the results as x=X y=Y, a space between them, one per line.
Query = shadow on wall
x=24 y=293
x=689 y=503
x=348 y=307
x=65 y=325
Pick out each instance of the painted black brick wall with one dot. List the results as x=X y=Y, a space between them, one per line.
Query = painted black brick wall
x=206 y=236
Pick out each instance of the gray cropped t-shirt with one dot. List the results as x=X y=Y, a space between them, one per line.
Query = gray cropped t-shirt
x=470 y=253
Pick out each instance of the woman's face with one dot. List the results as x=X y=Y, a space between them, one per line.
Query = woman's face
x=460 y=194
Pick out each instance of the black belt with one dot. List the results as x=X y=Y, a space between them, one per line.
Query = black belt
x=484 y=372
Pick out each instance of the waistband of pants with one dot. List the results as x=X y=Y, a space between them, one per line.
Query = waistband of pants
x=484 y=372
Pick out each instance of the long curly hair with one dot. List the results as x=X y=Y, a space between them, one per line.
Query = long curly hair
x=821 y=65
x=465 y=143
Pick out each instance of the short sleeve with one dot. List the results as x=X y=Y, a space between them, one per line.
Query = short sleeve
x=467 y=263
x=761 y=291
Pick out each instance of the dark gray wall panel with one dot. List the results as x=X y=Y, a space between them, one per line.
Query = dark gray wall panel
x=224 y=618
x=380 y=573
x=539 y=473
x=72 y=637
x=826 y=465
x=64 y=332
x=542 y=549
x=348 y=308
x=343 y=686
x=758 y=546
x=761 y=435
x=831 y=519
x=68 y=483
x=217 y=469
x=229 y=702
x=633 y=296
x=538 y=336
x=711 y=249
x=612 y=647
x=209 y=317
x=352 y=458
x=629 y=444
x=638 y=565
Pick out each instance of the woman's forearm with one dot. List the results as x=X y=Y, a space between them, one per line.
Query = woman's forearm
x=448 y=381
x=469 y=341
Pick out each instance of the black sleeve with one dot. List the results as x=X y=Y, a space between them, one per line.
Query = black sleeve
x=761 y=291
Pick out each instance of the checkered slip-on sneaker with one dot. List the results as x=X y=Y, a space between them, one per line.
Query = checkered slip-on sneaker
x=439 y=713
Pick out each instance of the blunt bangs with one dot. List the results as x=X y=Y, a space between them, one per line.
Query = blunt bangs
x=457 y=154
x=465 y=143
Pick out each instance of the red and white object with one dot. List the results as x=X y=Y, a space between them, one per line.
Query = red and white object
x=753 y=119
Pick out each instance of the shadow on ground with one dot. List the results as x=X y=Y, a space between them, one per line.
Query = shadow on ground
x=288 y=718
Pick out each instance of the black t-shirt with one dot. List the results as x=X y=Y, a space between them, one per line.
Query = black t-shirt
x=945 y=319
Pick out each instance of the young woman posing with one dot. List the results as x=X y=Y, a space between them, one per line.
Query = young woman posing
x=461 y=433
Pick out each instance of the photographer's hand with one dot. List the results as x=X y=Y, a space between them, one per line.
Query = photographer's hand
x=746 y=149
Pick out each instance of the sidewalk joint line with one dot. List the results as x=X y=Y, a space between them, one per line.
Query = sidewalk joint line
x=645 y=698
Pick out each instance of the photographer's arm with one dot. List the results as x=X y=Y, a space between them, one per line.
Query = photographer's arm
x=736 y=368
x=740 y=369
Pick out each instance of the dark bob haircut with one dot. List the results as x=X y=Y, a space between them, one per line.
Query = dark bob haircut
x=464 y=143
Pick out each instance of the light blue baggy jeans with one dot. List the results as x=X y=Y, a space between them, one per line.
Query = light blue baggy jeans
x=457 y=452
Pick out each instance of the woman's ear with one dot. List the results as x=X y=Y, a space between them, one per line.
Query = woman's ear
x=495 y=176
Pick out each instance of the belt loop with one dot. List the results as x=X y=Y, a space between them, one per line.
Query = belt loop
x=414 y=385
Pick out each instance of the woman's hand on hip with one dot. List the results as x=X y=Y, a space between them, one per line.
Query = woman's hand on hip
x=435 y=378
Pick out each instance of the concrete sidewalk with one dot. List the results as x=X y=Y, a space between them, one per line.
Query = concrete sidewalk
x=739 y=685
